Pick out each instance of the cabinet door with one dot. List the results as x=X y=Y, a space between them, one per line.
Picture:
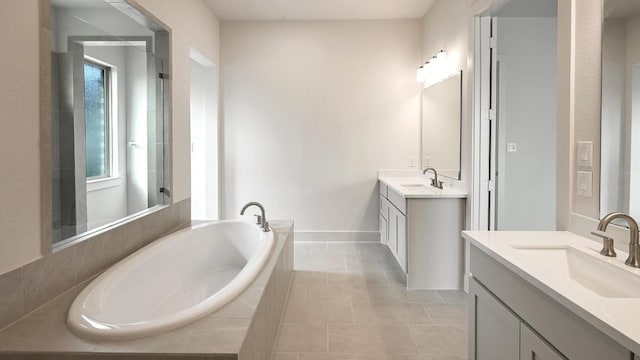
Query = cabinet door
x=384 y=229
x=384 y=207
x=401 y=241
x=532 y=347
x=494 y=331
x=392 y=226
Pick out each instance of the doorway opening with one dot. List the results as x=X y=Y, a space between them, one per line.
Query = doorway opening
x=516 y=117
x=204 y=139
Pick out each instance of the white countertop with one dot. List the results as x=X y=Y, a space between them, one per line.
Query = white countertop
x=618 y=317
x=407 y=186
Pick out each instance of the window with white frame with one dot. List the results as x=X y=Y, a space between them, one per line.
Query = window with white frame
x=98 y=120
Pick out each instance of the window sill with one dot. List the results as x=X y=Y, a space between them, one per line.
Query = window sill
x=100 y=184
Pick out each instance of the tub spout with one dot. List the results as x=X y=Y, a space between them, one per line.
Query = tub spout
x=262 y=219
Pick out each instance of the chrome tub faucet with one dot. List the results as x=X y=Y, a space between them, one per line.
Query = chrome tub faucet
x=261 y=219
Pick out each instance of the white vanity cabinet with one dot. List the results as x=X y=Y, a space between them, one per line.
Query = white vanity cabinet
x=499 y=338
x=533 y=347
x=423 y=234
x=511 y=319
x=393 y=222
x=500 y=334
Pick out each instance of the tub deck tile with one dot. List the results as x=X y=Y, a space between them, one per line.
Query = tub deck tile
x=43 y=334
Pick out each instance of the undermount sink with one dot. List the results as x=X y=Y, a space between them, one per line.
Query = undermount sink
x=416 y=187
x=597 y=275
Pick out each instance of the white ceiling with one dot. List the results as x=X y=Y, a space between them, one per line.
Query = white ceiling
x=251 y=10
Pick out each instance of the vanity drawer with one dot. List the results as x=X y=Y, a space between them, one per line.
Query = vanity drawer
x=383 y=189
x=398 y=201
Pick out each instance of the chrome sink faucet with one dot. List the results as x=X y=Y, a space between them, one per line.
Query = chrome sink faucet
x=434 y=182
x=634 y=247
x=262 y=219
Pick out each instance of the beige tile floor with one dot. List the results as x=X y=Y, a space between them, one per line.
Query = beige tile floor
x=348 y=301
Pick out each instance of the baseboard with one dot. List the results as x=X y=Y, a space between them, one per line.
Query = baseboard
x=337 y=236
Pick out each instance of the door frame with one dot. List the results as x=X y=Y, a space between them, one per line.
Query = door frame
x=482 y=216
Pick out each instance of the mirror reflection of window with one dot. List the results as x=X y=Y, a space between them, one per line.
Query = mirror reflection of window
x=97 y=120
x=108 y=117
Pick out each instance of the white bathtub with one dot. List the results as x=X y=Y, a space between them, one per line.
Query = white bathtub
x=172 y=281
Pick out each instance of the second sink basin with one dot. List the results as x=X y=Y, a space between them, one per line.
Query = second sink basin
x=597 y=275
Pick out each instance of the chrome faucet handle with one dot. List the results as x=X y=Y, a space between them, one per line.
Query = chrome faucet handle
x=265 y=226
x=607 y=245
x=258 y=219
x=439 y=185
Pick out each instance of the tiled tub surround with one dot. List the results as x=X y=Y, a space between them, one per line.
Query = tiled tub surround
x=348 y=301
x=243 y=329
x=25 y=289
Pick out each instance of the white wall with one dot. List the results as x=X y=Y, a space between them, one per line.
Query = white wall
x=204 y=141
x=527 y=117
x=198 y=140
x=311 y=111
x=20 y=106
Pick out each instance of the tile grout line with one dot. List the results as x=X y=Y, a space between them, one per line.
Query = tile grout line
x=423 y=305
x=327 y=327
x=353 y=313
x=415 y=343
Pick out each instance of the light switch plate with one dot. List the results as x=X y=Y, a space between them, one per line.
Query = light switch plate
x=585 y=183
x=585 y=153
x=426 y=161
x=412 y=161
x=512 y=147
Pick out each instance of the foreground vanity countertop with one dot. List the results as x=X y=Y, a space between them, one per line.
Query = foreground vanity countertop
x=569 y=268
x=416 y=187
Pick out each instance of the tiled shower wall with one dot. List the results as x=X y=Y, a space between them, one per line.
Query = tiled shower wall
x=27 y=288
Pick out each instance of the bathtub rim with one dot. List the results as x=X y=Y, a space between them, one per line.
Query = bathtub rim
x=96 y=330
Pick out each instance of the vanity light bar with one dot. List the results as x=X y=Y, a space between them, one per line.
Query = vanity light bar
x=434 y=70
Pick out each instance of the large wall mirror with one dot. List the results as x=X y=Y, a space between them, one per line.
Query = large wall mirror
x=620 y=117
x=108 y=117
x=441 y=121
